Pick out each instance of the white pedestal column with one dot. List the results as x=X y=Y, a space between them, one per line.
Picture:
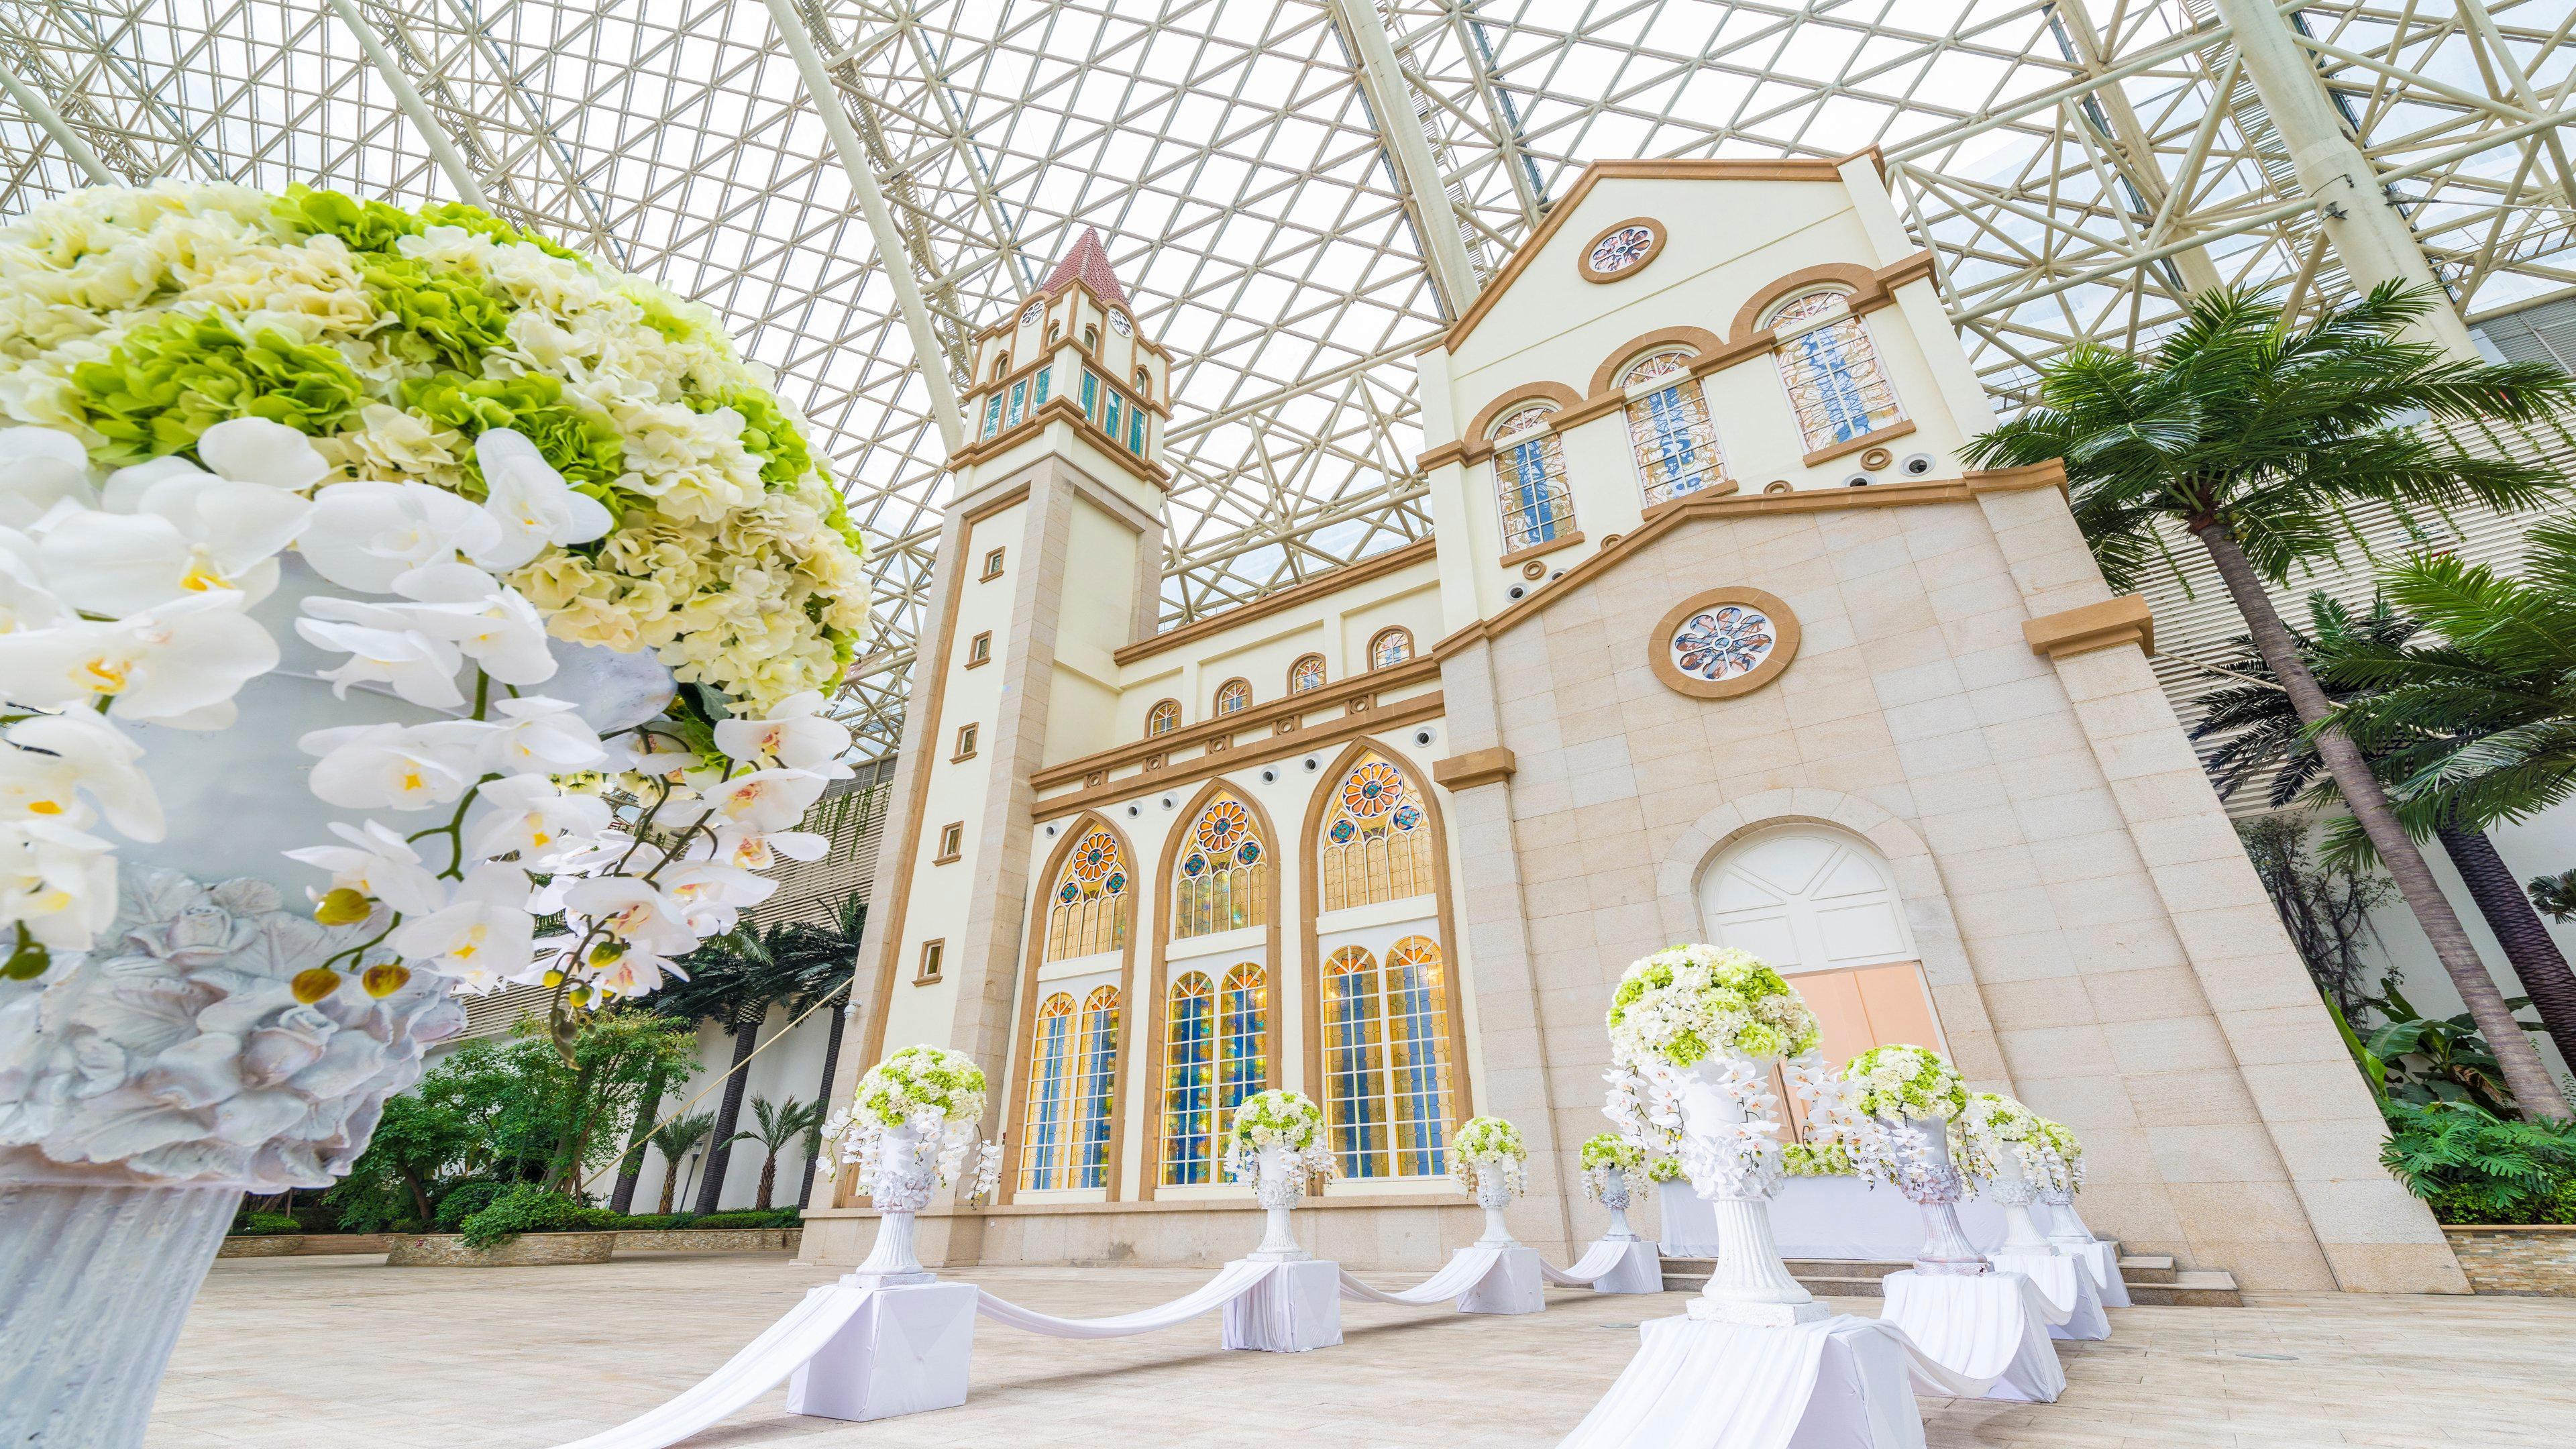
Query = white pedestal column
x=1935 y=1186
x=1513 y=1285
x=1278 y=1181
x=1297 y=1309
x=906 y=1351
x=2014 y=1192
x=1748 y=1283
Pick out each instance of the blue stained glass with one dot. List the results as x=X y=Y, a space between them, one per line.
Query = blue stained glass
x=1019 y=401
x=1050 y=1070
x=1530 y=482
x=1359 y=1138
x=1099 y=1069
x=1110 y=415
x=1244 y=1028
x=1417 y=1068
x=1135 y=430
x=1091 y=394
x=993 y=415
x=1837 y=391
x=1673 y=443
x=1188 y=1132
x=1040 y=396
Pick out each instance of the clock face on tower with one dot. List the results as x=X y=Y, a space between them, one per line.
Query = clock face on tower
x=1119 y=324
x=1035 y=310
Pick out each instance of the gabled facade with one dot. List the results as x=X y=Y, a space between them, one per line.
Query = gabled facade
x=1715 y=640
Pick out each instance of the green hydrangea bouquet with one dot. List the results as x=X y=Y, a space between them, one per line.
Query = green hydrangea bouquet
x=1905 y=1081
x=1680 y=1004
x=1486 y=1147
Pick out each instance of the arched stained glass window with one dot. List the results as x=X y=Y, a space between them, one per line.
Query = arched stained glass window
x=1044 y=1139
x=1307 y=673
x=1163 y=718
x=1529 y=477
x=1223 y=880
x=1233 y=695
x=1669 y=429
x=1094 y=1110
x=1088 y=912
x=1376 y=843
x=1215 y=1055
x=1391 y=646
x=1386 y=1060
x=1831 y=370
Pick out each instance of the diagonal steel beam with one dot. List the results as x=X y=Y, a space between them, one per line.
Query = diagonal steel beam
x=42 y=112
x=1417 y=176
x=442 y=147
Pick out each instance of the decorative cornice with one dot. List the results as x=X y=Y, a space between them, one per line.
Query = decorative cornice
x=1253 y=716
x=1062 y=407
x=2081 y=630
x=1870 y=439
x=1475 y=767
x=1296 y=742
x=1374 y=566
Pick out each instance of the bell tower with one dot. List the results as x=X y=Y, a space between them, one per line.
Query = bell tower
x=1049 y=561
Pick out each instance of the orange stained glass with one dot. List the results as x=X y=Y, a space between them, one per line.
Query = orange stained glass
x=1307 y=673
x=1093 y=1108
x=1163 y=718
x=1222 y=880
x=1391 y=646
x=1233 y=695
x=1376 y=844
x=1087 y=912
x=1189 y=1082
x=1354 y=1063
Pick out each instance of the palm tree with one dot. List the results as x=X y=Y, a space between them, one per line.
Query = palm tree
x=777 y=1125
x=2255 y=437
x=2261 y=731
x=676 y=1139
x=2481 y=727
x=824 y=966
x=733 y=980
x=675 y=1002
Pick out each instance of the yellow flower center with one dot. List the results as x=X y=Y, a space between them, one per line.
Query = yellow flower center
x=44 y=807
x=201 y=578
x=104 y=676
x=411 y=779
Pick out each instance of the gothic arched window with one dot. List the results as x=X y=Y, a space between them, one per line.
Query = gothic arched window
x=1307 y=673
x=1223 y=880
x=1529 y=477
x=1088 y=913
x=1214 y=1057
x=1669 y=429
x=1163 y=718
x=1376 y=843
x=1390 y=646
x=1044 y=1151
x=1233 y=695
x=1094 y=1112
x=1831 y=370
x=1386 y=1060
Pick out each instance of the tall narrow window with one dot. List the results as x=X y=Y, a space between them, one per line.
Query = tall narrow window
x=1109 y=415
x=993 y=415
x=1190 y=1122
x=1136 y=429
x=1233 y=695
x=1224 y=880
x=1390 y=646
x=1417 y=1051
x=1163 y=718
x=1307 y=673
x=1019 y=401
x=1091 y=394
x=1354 y=1063
x=1529 y=475
x=1039 y=396
x=1094 y=1109
x=1831 y=370
x=1376 y=845
x=1043 y=1136
x=1243 y=1041
x=1386 y=1060
x=1089 y=913
x=1669 y=430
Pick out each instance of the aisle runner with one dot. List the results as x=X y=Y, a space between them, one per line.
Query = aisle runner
x=1600 y=1259
x=2069 y=1286
x=1701 y=1384
x=762 y=1365
x=1239 y=1278
x=1465 y=1271
x=1612 y=1265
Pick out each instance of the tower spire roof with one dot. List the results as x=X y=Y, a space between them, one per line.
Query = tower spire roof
x=1089 y=261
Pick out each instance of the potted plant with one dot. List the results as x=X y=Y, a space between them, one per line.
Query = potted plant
x=1487 y=1162
x=1275 y=1141
x=1913 y=1094
x=907 y=1134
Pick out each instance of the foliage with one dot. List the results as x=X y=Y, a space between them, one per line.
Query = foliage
x=419 y=1139
x=463 y=1201
x=775 y=1126
x=252 y=1224
x=1905 y=1081
x=2476 y=1167
x=2325 y=906
x=527 y=1208
x=2555 y=895
x=2426 y=1060
x=674 y=1140
x=1608 y=1149
x=2253 y=719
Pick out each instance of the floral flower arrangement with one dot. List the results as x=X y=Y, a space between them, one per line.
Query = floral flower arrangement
x=1682 y=1003
x=1905 y=1081
x=1488 y=1145
x=1607 y=1152
x=132 y=320
x=2062 y=1156
x=935 y=1093
x=1991 y=1126
x=1282 y=1119
x=1664 y=1169
x=480 y=441
x=1837 y=1133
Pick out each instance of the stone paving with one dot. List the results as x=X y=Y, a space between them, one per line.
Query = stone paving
x=344 y=1353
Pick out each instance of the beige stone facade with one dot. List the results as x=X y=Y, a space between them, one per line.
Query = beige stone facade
x=1926 y=693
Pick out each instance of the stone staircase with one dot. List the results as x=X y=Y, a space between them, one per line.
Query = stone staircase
x=2153 y=1279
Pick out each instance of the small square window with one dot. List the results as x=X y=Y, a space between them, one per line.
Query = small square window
x=932 y=953
x=979 y=650
x=993 y=564
x=965 y=742
x=952 y=842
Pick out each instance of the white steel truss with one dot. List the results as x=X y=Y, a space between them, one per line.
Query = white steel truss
x=1299 y=193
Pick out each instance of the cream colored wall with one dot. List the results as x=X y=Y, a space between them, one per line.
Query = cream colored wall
x=1091 y=626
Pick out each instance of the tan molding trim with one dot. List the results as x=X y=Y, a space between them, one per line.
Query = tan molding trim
x=1527 y=552
x=1871 y=439
x=1445 y=1202
x=1062 y=408
x=2081 y=630
x=1277 y=747
x=1785 y=635
x=1475 y=767
x=1701 y=342
x=1654 y=249
x=1442 y=456
x=1862 y=280
x=1528 y=392
x=2051 y=474
x=1374 y=566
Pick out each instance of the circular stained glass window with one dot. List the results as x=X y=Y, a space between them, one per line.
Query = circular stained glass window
x=1342 y=832
x=1621 y=249
x=1723 y=643
x=1222 y=827
x=1194 y=866
x=1119 y=324
x=1094 y=856
x=1372 y=790
x=1035 y=310
x=1248 y=852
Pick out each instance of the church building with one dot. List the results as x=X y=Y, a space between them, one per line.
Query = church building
x=1715 y=638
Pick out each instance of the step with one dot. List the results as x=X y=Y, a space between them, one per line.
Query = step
x=2137 y=1268
x=2190 y=1288
x=2153 y=1280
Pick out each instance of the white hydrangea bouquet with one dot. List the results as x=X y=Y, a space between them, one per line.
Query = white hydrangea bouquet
x=925 y=1095
x=1608 y=1152
x=1992 y=1126
x=436 y=456
x=1488 y=1154
x=1287 y=1121
x=1713 y=1017
x=1896 y=1084
x=2063 y=1155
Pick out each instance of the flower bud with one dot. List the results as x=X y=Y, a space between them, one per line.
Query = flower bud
x=313 y=983
x=343 y=906
x=27 y=962
x=606 y=953
x=384 y=978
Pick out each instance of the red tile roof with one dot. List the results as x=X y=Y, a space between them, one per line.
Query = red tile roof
x=1088 y=260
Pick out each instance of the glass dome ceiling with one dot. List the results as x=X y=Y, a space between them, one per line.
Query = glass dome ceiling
x=1297 y=193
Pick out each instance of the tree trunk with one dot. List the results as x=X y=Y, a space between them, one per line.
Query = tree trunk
x=2527 y=943
x=746 y=1039
x=623 y=1199
x=2535 y=1094
x=670 y=1183
x=831 y=1067
x=768 y=1182
x=419 y=1199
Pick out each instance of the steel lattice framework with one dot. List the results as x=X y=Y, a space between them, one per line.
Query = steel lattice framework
x=1298 y=193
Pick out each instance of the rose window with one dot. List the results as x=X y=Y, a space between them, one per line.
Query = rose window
x=1724 y=643
x=1622 y=249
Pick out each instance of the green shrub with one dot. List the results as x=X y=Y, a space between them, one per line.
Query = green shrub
x=465 y=1200
x=2475 y=1167
x=262 y=1224
x=524 y=1208
x=748 y=1218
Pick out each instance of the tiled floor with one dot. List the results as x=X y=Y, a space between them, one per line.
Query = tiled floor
x=344 y=1353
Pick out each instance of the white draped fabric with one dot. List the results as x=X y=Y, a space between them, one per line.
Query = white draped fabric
x=2068 y=1285
x=779 y=1351
x=1611 y=1265
x=1464 y=1270
x=1296 y=1309
x=2103 y=1259
x=1827 y=1217
x=1237 y=1278
x=1598 y=1259
x=1991 y=1328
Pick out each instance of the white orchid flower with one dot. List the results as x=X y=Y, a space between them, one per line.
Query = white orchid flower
x=377 y=863
x=761 y=850
x=530 y=815
x=794 y=734
x=61 y=756
x=544 y=735
x=487 y=620
x=25 y=601
x=420 y=669
x=483 y=936
x=637 y=973
x=57 y=882
x=530 y=502
x=41 y=468
x=179 y=664
x=710 y=896
x=654 y=755
x=188 y=534
x=764 y=800
x=256 y=450
x=392 y=766
x=634 y=912
x=365 y=535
